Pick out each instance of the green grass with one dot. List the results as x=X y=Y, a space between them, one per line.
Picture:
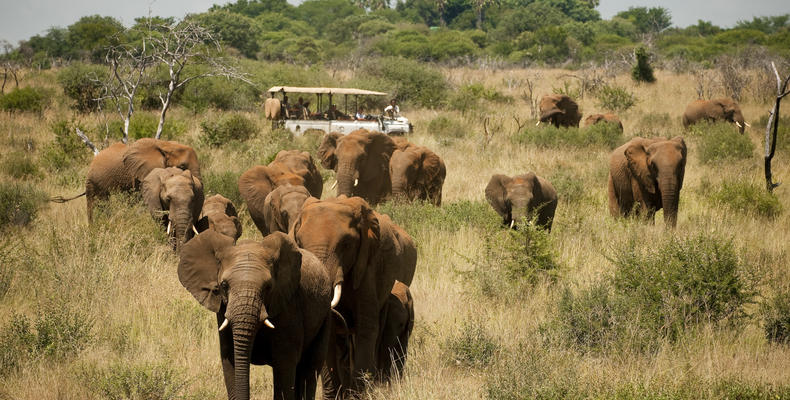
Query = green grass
x=744 y=197
x=720 y=142
x=598 y=135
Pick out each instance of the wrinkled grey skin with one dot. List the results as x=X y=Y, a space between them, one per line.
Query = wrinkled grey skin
x=648 y=173
x=520 y=197
x=219 y=215
x=282 y=206
x=175 y=197
x=254 y=284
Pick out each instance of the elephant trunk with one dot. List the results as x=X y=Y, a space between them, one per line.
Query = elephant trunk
x=669 y=202
x=181 y=218
x=245 y=308
x=399 y=190
x=345 y=178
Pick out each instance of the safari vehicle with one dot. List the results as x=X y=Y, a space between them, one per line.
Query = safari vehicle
x=324 y=115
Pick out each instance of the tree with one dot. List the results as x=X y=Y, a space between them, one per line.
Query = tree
x=91 y=35
x=642 y=71
x=648 y=20
x=234 y=30
x=440 y=6
x=480 y=6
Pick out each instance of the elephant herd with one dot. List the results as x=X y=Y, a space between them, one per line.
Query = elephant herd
x=326 y=291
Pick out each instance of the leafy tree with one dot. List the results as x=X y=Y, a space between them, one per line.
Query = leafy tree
x=234 y=30
x=529 y=18
x=766 y=24
x=703 y=28
x=321 y=13
x=91 y=35
x=547 y=44
x=578 y=10
x=642 y=71
x=253 y=8
x=648 y=20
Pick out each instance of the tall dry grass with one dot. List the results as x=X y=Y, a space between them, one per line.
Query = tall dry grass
x=147 y=338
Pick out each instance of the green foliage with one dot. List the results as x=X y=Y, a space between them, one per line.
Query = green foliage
x=548 y=44
x=642 y=71
x=410 y=81
x=19 y=203
x=422 y=218
x=587 y=318
x=227 y=128
x=144 y=124
x=472 y=346
x=82 y=83
x=20 y=165
x=446 y=127
x=29 y=99
x=232 y=29
x=471 y=97
x=721 y=141
x=569 y=187
x=745 y=197
x=775 y=313
x=615 y=98
x=604 y=135
x=121 y=380
x=67 y=149
x=225 y=183
x=91 y=35
x=647 y=20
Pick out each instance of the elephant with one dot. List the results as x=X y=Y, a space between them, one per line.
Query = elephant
x=289 y=167
x=220 y=215
x=272 y=305
x=396 y=330
x=559 y=110
x=520 y=197
x=361 y=161
x=648 y=172
x=122 y=167
x=364 y=253
x=417 y=173
x=282 y=206
x=272 y=108
x=722 y=109
x=175 y=197
x=608 y=117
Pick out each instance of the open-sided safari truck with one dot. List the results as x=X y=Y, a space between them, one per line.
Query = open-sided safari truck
x=323 y=114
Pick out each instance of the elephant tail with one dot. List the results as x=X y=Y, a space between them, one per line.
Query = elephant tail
x=61 y=199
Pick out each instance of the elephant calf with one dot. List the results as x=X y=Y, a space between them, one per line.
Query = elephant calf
x=647 y=172
x=219 y=215
x=398 y=317
x=282 y=206
x=723 y=109
x=417 y=173
x=603 y=118
x=514 y=198
x=175 y=197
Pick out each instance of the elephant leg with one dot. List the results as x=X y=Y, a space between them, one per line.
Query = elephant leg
x=284 y=378
x=365 y=344
x=226 y=353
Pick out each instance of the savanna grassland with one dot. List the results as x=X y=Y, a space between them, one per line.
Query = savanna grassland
x=599 y=308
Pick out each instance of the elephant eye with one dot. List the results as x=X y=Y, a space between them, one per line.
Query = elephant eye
x=224 y=286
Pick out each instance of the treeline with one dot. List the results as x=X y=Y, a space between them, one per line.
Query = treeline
x=544 y=32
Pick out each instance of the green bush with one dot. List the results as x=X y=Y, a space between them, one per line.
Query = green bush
x=470 y=97
x=422 y=218
x=569 y=187
x=775 y=313
x=411 y=82
x=122 y=380
x=446 y=127
x=82 y=83
x=225 y=183
x=29 y=99
x=227 y=128
x=281 y=139
x=587 y=318
x=20 y=165
x=642 y=71
x=19 y=203
x=219 y=93
x=67 y=149
x=144 y=125
x=615 y=98
x=746 y=197
x=603 y=135
x=472 y=346
x=720 y=141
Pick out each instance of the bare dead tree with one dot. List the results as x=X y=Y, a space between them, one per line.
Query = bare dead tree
x=733 y=79
x=10 y=67
x=706 y=84
x=772 y=127
x=519 y=124
x=529 y=96
x=188 y=43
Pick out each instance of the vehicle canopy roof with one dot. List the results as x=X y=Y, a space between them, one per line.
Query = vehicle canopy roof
x=324 y=90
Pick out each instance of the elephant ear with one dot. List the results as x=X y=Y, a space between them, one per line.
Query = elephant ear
x=431 y=166
x=198 y=269
x=496 y=194
x=286 y=262
x=151 y=190
x=271 y=211
x=198 y=199
x=326 y=151
x=381 y=144
x=682 y=145
x=638 y=164
x=369 y=239
x=142 y=157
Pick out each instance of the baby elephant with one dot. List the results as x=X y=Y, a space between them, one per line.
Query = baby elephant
x=175 y=197
x=521 y=196
x=603 y=118
x=398 y=323
x=282 y=206
x=219 y=215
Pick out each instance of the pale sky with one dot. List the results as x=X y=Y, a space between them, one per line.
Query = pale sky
x=21 y=19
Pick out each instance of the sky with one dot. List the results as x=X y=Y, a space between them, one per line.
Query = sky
x=22 y=19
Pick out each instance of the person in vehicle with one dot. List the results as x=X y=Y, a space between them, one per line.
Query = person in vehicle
x=302 y=108
x=334 y=113
x=392 y=110
x=361 y=115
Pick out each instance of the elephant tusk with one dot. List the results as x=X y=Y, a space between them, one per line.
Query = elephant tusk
x=538 y=123
x=336 y=297
x=334 y=185
x=356 y=182
x=512 y=222
x=738 y=124
x=224 y=325
x=268 y=323
x=169 y=225
x=194 y=229
x=747 y=124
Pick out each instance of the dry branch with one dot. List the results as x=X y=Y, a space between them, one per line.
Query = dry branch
x=87 y=141
x=772 y=128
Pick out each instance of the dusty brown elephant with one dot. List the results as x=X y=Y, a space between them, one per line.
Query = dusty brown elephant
x=723 y=109
x=272 y=108
x=220 y=215
x=397 y=325
x=417 y=173
x=272 y=304
x=559 y=110
x=364 y=252
x=361 y=161
x=175 y=197
x=603 y=118
x=122 y=167
x=647 y=172
x=282 y=207
x=520 y=197
x=301 y=163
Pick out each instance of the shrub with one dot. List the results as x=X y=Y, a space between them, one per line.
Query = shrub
x=219 y=93
x=587 y=317
x=225 y=183
x=409 y=81
x=20 y=165
x=604 y=135
x=642 y=71
x=67 y=148
x=447 y=127
x=569 y=187
x=19 y=203
x=281 y=139
x=82 y=83
x=122 y=380
x=746 y=197
x=472 y=346
x=776 y=316
x=470 y=97
x=721 y=141
x=615 y=98
x=29 y=99
x=530 y=372
x=227 y=128
x=422 y=218
x=144 y=125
